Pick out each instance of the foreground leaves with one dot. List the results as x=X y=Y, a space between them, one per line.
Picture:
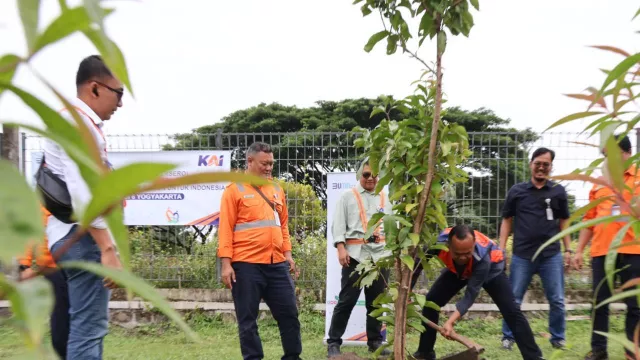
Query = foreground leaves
x=139 y=286
x=19 y=213
x=31 y=304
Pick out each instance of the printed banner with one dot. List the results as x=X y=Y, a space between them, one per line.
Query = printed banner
x=183 y=205
x=356 y=333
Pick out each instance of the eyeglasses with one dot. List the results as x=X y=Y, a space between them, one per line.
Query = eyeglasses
x=119 y=92
x=366 y=175
x=544 y=165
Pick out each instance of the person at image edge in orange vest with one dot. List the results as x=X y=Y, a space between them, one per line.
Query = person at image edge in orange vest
x=627 y=260
x=59 y=319
x=255 y=252
x=475 y=261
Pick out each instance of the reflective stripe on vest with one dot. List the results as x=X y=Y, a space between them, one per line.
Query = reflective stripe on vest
x=363 y=213
x=255 y=225
x=265 y=223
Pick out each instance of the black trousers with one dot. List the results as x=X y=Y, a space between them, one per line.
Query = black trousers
x=448 y=285
x=348 y=298
x=59 y=321
x=273 y=283
x=601 y=318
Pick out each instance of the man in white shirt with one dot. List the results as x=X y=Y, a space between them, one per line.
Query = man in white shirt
x=99 y=95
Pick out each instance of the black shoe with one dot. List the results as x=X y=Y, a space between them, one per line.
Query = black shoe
x=333 y=350
x=507 y=344
x=597 y=355
x=376 y=345
x=422 y=356
x=559 y=344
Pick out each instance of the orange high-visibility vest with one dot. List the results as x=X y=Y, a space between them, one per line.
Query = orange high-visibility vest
x=249 y=229
x=43 y=256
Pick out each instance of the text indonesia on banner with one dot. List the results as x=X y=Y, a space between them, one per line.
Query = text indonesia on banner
x=183 y=205
x=356 y=332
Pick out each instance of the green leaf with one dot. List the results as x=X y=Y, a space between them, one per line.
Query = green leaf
x=620 y=70
x=374 y=219
x=19 y=213
x=8 y=65
x=614 y=163
x=377 y=110
x=111 y=55
x=620 y=339
x=387 y=319
x=378 y=312
x=421 y=299
x=576 y=227
x=139 y=286
x=446 y=148
x=368 y=279
x=366 y=10
x=410 y=207
x=60 y=127
x=610 y=259
x=583 y=210
x=69 y=22
x=573 y=117
x=432 y=305
x=392 y=44
x=442 y=42
x=374 y=39
x=415 y=238
x=31 y=304
x=417 y=170
x=635 y=16
x=475 y=4
x=408 y=260
x=118 y=184
x=30 y=17
x=74 y=152
x=120 y=234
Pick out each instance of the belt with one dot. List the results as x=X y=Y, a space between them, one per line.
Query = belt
x=362 y=241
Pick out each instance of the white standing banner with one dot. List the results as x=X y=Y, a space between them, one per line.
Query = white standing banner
x=182 y=205
x=356 y=332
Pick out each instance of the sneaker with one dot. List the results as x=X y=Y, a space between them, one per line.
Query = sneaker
x=376 y=345
x=559 y=344
x=333 y=350
x=507 y=344
x=597 y=355
x=422 y=356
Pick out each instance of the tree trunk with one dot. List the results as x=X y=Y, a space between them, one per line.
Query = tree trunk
x=402 y=271
x=11 y=145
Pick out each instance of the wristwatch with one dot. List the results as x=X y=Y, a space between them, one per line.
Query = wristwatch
x=569 y=251
x=23 y=267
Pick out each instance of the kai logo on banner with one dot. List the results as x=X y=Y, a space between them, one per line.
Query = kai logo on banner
x=210 y=160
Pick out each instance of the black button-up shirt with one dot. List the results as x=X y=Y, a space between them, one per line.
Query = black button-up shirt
x=531 y=228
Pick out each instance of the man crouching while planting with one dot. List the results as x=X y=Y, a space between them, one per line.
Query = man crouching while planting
x=474 y=261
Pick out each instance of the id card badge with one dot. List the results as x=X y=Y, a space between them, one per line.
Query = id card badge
x=277 y=217
x=549 y=210
x=615 y=210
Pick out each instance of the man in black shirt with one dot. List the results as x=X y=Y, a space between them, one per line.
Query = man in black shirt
x=537 y=210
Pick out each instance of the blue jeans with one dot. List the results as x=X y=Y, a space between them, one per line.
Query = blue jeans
x=88 y=300
x=551 y=272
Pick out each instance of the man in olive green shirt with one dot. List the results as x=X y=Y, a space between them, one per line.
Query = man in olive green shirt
x=353 y=211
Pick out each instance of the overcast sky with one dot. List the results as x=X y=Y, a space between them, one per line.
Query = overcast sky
x=192 y=62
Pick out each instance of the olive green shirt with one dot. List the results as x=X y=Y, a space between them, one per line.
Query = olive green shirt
x=347 y=224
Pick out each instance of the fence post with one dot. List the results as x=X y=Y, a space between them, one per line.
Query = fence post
x=218 y=262
x=24 y=152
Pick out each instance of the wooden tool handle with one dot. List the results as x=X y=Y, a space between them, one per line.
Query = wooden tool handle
x=457 y=337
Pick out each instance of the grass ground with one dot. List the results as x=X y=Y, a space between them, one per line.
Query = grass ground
x=220 y=340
